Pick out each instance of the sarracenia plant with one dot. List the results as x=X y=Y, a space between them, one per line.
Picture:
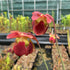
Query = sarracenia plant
x=20 y=23
x=40 y=23
x=6 y=62
x=66 y=21
x=23 y=44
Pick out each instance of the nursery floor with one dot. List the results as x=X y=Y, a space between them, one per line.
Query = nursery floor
x=39 y=64
x=36 y=63
x=57 y=65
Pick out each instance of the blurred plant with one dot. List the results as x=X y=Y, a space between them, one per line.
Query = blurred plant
x=68 y=39
x=3 y=21
x=63 y=22
x=6 y=63
x=18 y=67
x=19 y=23
x=53 y=15
x=52 y=38
x=8 y=60
x=5 y=14
x=66 y=20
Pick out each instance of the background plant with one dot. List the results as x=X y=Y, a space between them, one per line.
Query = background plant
x=6 y=63
x=19 y=23
x=66 y=20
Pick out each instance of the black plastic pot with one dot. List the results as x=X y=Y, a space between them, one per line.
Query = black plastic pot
x=43 y=39
x=4 y=40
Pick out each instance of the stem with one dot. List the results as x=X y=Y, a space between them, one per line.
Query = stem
x=58 y=48
x=10 y=24
x=43 y=58
x=17 y=24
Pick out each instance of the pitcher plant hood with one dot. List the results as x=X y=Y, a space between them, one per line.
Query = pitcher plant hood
x=23 y=44
x=40 y=22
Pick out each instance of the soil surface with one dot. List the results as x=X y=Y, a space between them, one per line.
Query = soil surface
x=34 y=61
x=57 y=65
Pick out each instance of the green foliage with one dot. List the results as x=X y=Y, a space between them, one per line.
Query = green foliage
x=19 y=23
x=66 y=20
x=53 y=15
x=5 y=63
x=8 y=59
